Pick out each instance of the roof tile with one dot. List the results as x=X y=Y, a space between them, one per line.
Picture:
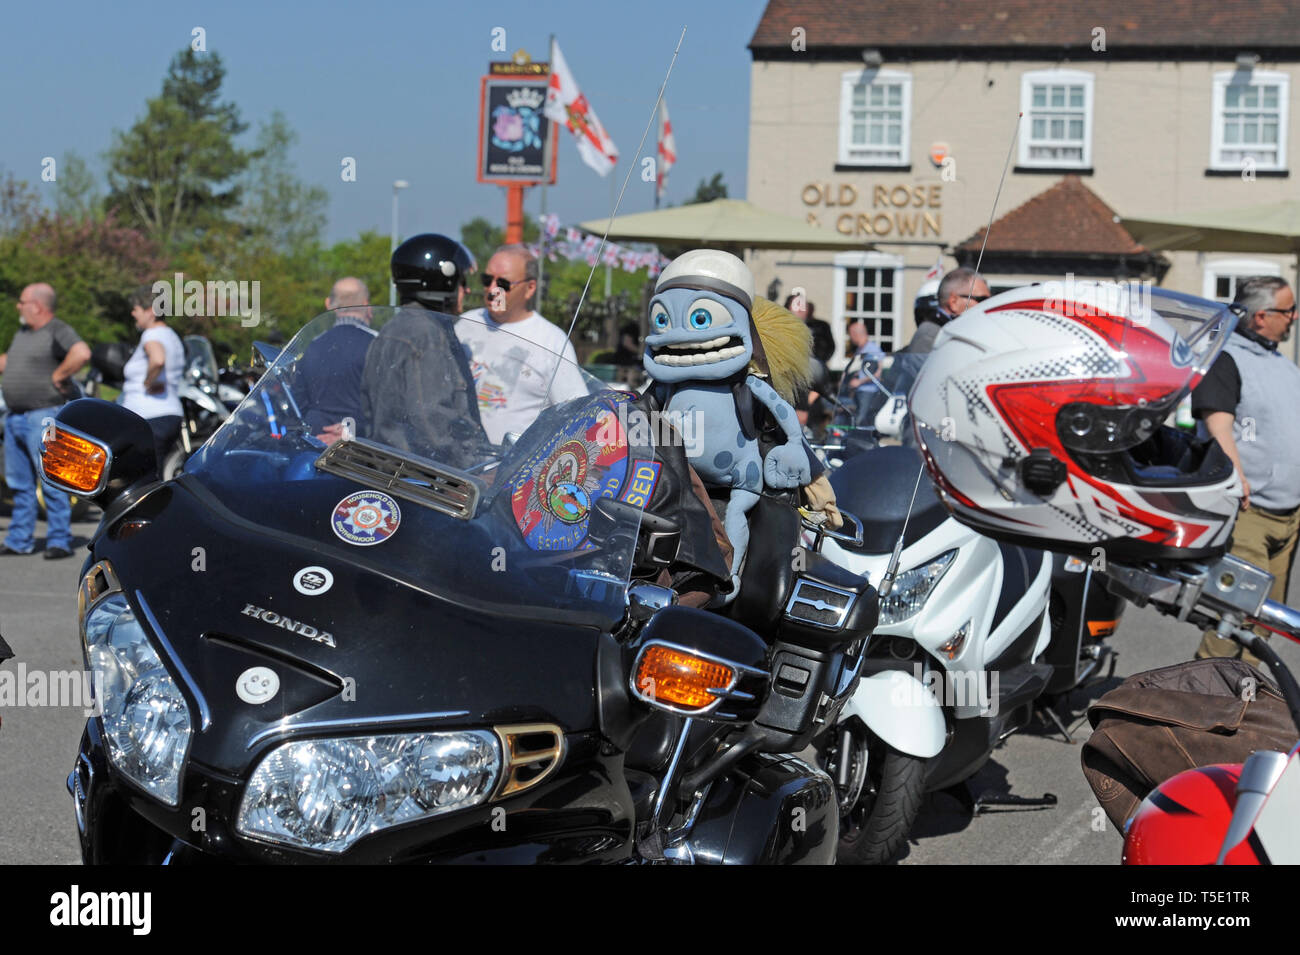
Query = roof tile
x=1068 y=219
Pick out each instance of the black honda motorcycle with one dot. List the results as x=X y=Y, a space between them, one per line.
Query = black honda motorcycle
x=393 y=642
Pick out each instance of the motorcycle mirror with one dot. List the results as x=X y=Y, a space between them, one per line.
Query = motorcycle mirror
x=263 y=356
x=98 y=450
x=658 y=538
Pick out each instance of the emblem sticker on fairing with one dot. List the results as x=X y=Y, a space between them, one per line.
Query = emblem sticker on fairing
x=313 y=581
x=366 y=518
x=555 y=492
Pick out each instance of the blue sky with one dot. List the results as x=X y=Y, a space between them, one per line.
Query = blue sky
x=395 y=85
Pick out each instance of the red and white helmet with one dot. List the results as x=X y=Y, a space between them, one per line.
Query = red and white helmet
x=1040 y=414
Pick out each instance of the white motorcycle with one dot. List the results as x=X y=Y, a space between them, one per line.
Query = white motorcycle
x=956 y=661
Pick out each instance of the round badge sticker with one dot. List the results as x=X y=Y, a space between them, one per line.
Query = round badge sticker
x=257 y=685
x=365 y=518
x=313 y=581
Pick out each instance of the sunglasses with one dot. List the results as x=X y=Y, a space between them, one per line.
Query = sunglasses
x=504 y=285
x=1282 y=311
x=976 y=298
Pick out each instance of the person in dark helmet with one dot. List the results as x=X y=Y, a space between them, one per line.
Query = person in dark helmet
x=432 y=271
x=417 y=393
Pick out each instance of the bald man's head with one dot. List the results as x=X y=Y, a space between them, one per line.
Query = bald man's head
x=348 y=292
x=43 y=293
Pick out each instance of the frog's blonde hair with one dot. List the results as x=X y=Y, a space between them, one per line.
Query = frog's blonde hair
x=786 y=351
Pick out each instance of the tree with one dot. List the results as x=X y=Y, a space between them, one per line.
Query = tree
x=483 y=238
x=20 y=206
x=173 y=173
x=93 y=266
x=708 y=190
x=78 y=196
x=279 y=209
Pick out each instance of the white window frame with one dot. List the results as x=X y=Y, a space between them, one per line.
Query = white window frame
x=1235 y=269
x=863 y=260
x=1059 y=78
x=1222 y=81
x=850 y=81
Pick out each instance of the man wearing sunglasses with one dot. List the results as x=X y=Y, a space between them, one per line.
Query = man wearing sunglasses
x=1249 y=401
x=958 y=290
x=514 y=351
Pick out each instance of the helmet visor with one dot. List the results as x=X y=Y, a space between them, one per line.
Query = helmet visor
x=1165 y=342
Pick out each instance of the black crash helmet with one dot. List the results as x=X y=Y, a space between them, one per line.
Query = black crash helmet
x=429 y=267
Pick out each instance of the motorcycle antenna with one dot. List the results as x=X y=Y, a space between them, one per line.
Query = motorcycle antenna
x=654 y=112
x=887 y=580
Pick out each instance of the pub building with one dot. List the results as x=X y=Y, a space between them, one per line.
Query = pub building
x=892 y=122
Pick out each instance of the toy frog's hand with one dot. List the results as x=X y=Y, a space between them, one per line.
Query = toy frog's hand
x=786 y=467
x=781 y=409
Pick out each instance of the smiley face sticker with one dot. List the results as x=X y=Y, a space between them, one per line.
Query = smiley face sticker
x=257 y=685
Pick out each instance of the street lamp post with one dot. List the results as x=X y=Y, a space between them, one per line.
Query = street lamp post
x=392 y=288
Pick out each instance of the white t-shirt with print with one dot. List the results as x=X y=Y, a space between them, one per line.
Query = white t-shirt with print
x=134 y=396
x=510 y=377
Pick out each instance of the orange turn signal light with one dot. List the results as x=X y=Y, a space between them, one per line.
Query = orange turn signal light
x=74 y=463
x=677 y=678
x=1102 y=628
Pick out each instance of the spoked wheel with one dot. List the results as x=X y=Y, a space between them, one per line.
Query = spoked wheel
x=173 y=463
x=879 y=791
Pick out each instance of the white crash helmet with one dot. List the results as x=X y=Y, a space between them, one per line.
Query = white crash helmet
x=1040 y=415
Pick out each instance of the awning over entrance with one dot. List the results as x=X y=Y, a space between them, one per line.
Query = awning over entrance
x=729 y=224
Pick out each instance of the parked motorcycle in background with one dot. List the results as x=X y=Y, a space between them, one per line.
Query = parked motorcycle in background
x=203 y=404
x=973 y=635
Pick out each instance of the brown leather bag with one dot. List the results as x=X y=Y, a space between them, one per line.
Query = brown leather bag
x=1156 y=724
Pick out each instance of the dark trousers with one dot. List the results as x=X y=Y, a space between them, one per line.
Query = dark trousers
x=165 y=429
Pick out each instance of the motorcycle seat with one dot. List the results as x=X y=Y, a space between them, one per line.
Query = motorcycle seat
x=769 y=580
x=876 y=487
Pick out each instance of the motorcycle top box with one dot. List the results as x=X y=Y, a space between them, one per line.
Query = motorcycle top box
x=396 y=640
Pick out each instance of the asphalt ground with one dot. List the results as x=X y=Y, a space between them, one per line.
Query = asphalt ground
x=38 y=614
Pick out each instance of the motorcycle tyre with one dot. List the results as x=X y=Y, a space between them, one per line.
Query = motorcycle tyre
x=882 y=836
x=173 y=463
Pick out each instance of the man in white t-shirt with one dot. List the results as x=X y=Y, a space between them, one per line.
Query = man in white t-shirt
x=514 y=351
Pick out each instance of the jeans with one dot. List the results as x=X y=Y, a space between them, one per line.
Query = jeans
x=22 y=471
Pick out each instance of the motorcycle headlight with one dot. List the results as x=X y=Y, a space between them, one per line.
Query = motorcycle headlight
x=912 y=589
x=147 y=723
x=325 y=794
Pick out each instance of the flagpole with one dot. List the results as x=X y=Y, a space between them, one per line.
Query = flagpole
x=541 y=243
x=608 y=273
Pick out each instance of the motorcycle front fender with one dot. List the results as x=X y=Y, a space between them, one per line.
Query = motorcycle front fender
x=898 y=708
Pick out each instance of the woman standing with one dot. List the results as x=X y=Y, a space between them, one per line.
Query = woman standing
x=153 y=372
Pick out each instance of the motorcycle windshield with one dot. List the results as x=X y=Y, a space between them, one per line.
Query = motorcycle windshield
x=446 y=452
x=200 y=359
